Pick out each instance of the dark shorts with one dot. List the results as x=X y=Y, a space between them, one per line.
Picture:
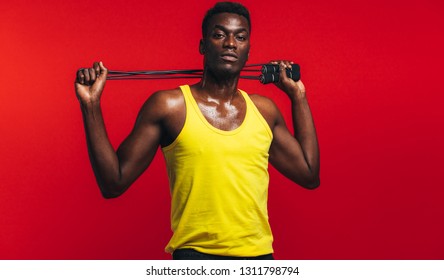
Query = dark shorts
x=191 y=254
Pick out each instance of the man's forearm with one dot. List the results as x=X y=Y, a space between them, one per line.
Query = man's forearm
x=104 y=160
x=305 y=133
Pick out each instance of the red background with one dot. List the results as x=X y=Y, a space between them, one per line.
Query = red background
x=372 y=71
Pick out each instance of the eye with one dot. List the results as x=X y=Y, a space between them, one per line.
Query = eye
x=218 y=35
x=241 y=37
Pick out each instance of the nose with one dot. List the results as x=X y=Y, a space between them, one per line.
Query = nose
x=230 y=42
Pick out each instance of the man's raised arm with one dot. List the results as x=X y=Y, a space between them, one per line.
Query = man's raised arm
x=114 y=171
x=296 y=157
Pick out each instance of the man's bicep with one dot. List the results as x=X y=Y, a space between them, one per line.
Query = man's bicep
x=285 y=151
x=286 y=154
x=137 y=151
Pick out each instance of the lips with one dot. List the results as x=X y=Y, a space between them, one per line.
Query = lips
x=231 y=57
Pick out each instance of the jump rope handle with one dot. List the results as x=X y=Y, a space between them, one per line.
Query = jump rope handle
x=270 y=73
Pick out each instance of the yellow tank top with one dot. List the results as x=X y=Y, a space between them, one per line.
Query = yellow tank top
x=219 y=184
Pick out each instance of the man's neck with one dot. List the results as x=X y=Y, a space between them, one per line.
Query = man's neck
x=218 y=87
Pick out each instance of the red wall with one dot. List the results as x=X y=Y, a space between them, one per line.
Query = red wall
x=373 y=73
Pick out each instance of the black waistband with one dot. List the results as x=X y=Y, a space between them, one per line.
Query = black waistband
x=191 y=254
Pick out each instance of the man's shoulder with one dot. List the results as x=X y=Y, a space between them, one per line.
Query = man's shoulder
x=266 y=107
x=166 y=95
x=164 y=102
x=260 y=100
x=263 y=103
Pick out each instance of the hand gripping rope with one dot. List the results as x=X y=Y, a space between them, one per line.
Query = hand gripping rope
x=269 y=73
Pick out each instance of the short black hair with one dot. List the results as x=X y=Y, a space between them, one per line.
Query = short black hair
x=225 y=7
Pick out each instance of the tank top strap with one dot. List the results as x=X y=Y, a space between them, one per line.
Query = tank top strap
x=187 y=95
x=254 y=110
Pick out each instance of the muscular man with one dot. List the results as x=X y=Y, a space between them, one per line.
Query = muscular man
x=217 y=142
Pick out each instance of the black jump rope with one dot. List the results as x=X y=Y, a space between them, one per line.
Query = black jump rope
x=269 y=73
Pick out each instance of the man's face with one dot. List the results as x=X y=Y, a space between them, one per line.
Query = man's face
x=226 y=44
